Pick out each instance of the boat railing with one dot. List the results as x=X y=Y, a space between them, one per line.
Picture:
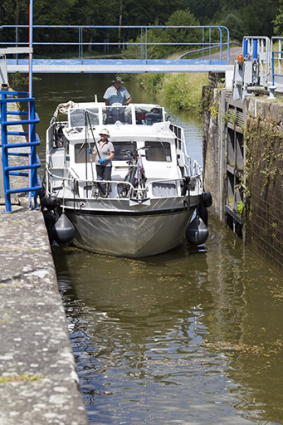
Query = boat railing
x=72 y=182
x=198 y=172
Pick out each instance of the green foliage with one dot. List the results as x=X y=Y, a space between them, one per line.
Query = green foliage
x=278 y=21
x=214 y=108
x=172 y=35
x=20 y=82
x=230 y=117
x=242 y=17
x=183 y=90
x=240 y=207
x=233 y=21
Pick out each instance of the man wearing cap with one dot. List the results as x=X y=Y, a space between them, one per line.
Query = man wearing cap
x=117 y=93
x=104 y=153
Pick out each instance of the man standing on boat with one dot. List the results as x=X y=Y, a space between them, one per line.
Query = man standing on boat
x=117 y=94
x=104 y=153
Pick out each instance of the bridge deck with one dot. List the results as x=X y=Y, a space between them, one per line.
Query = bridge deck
x=118 y=66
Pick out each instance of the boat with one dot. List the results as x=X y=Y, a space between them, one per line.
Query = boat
x=154 y=191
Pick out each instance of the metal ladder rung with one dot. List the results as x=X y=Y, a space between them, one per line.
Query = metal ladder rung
x=18 y=154
x=24 y=189
x=13 y=173
x=17 y=133
x=35 y=121
x=21 y=145
x=23 y=167
x=17 y=113
x=16 y=100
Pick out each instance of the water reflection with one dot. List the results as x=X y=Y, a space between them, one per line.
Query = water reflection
x=175 y=338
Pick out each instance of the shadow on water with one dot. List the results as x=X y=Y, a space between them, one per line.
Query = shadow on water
x=193 y=336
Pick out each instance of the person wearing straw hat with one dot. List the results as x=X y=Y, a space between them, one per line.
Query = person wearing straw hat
x=117 y=93
x=104 y=153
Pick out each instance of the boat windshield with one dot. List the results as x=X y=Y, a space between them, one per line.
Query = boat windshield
x=148 y=116
x=144 y=115
x=114 y=113
x=78 y=117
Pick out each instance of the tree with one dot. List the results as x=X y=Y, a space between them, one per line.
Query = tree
x=263 y=13
x=204 y=10
x=278 y=21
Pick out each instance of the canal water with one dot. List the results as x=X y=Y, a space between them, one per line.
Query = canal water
x=193 y=336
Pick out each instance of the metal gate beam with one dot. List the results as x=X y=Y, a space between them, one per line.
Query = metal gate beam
x=117 y=66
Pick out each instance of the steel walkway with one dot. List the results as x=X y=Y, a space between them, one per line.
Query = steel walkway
x=214 y=40
x=117 y=66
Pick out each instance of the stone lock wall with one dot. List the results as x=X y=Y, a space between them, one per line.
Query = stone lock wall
x=259 y=181
x=212 y=147
x=264 y=172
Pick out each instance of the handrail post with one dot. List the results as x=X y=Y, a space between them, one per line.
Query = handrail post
x=81 y=47
x=221 y=41
x=228 y=47
x=209 y=40
x=203 y=42
x=145 y=44
x=280 y=50
x=272 y=65
x=141 y=41
x=31 y=46
x=17 y=39
x=33 y=173
x=79 y=43
x=254 y=49
x=245 y=53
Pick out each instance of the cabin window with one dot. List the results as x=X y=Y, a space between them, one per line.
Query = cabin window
x=81 y=152
x=158 y=151
x=122 y=150
x=79 y=117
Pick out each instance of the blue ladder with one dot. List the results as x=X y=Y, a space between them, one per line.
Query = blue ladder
x=33 y=140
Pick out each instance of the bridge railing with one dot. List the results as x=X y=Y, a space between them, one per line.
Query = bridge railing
x=276 y=63
x=258 y=48
x=83 y=38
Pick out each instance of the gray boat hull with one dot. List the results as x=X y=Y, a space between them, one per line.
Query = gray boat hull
x=138 y=231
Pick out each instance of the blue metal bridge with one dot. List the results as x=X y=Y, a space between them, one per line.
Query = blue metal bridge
x=211 y=42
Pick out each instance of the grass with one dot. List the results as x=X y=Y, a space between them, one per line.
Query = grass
x=183 y=90
x=20 y=378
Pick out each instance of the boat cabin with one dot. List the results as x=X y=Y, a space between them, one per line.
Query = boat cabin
x=146 y=143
